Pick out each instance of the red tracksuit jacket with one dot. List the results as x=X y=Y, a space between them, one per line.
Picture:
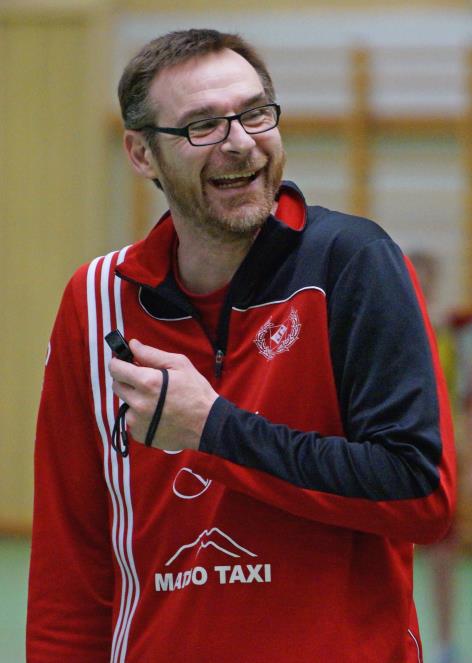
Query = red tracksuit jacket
x=288 y=536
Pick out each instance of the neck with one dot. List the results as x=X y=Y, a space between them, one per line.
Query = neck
x=208 y=263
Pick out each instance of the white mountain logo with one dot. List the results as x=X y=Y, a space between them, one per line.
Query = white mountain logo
x=274 y=338
x=214 y=538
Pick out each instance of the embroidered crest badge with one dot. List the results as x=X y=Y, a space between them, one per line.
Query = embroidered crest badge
x=273 y=338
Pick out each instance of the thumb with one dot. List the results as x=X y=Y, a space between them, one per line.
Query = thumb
x=151 y=357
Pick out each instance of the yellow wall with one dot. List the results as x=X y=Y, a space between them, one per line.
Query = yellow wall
x=52 y=197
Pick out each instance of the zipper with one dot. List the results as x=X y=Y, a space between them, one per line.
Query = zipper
x=219 y=345
x=219 y=358
x=222 y=332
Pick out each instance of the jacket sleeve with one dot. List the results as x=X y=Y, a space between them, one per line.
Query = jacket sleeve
x=393 y=473
x=71 y=571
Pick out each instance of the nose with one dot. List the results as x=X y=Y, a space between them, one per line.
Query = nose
x=237 y=140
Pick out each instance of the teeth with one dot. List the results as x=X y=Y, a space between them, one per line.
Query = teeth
x=235 y=177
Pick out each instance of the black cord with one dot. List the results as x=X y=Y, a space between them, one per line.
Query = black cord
x=156 y=417
x=119 y=436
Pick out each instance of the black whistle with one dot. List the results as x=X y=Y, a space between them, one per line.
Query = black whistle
x=119 y=345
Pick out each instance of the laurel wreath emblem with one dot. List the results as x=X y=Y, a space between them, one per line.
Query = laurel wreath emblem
x=268 y=351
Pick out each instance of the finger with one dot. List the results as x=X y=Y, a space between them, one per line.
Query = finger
x=123 y=371
x=141 y=379
x=123 y=391
x=141 y=405
x=154 y=358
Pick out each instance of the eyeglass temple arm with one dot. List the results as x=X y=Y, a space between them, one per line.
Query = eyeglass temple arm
x=166 y=130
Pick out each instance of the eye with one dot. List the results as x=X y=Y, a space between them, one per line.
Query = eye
x=205 y=127
x=256 y=116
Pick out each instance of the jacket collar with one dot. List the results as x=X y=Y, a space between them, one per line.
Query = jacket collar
x=148 y=263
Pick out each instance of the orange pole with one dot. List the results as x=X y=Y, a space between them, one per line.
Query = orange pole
x=358 y=132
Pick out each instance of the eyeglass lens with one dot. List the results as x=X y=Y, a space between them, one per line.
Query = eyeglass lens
x=215 y=130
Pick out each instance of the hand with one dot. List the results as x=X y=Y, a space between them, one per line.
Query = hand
x=188 y=401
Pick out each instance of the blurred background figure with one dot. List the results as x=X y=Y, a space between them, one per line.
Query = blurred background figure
x=454 y=335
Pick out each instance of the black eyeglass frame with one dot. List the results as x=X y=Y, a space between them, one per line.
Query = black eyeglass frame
x=185 y=131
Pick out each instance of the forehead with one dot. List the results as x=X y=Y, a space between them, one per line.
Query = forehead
x=217 y=80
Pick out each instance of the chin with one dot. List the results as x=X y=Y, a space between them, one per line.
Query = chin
x=242 y=220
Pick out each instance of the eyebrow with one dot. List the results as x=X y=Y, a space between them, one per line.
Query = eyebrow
x=209 y=111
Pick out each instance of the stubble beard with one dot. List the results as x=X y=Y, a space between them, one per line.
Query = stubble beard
x=236 y=218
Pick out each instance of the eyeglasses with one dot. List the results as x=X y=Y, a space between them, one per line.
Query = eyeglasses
x=216 y=129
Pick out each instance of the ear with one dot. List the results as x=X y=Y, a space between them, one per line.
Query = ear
x=139 y=154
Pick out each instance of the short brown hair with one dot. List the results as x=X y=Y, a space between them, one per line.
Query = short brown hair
x=171 y=49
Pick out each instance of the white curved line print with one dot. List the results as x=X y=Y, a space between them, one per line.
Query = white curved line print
x=48 y=354
x=206 y=483
x=208 y=533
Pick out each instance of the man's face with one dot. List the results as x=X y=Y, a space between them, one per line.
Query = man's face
x=196 y=180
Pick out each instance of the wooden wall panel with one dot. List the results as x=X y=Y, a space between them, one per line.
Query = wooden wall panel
x=52 y=205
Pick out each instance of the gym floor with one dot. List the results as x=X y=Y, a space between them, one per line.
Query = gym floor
x=14 y=556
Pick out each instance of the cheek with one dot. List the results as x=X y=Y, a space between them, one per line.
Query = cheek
x=271 y=143
x=193 y=166
x=278 y=149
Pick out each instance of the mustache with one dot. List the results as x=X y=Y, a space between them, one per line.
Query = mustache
x=236 y=166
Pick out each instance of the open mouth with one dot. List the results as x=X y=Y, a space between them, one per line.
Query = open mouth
x=235 y=180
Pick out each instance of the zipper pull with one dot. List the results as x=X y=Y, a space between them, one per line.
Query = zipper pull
x=219 y=362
